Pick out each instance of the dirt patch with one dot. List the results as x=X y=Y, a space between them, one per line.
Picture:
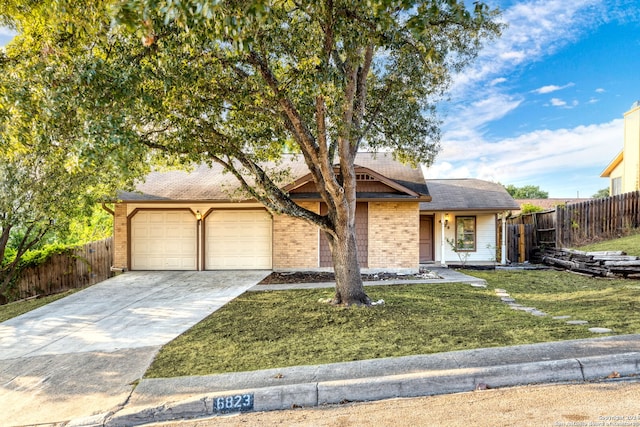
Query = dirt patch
x=277 y=278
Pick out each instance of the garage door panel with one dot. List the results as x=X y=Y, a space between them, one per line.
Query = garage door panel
x=163 y=240
x=238 y=240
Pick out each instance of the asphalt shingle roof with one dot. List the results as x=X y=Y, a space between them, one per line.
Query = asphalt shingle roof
x=467 y=194
x=210 y=183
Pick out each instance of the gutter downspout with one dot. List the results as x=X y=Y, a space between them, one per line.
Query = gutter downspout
x=503 y=243
x=108 y=209
x=443 y=263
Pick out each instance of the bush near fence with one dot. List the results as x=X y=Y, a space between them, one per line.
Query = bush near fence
x=77 y=267
x=573 y=225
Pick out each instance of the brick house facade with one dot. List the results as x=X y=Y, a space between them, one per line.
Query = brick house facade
x=179 y=220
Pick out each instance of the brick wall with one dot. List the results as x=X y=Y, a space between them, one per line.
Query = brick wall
x=295 y=242
x=394 y=235
x=120 y=236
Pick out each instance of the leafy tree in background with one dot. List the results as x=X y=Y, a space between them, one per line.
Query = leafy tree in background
x=526 y=208
x=239 y=82
x=526 y=192
x=53 y=169
x=39 y=195
x=601 y=194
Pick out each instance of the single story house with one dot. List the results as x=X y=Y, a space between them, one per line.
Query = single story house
x=197 y=220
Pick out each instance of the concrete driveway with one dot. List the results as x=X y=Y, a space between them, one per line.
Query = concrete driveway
x=81 y=355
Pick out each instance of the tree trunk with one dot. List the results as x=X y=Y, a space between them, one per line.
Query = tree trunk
x=349 y=287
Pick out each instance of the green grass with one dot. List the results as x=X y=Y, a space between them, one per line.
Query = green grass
x=609 y=303
x=629 y=244
x=263 y=330
x=15 y=309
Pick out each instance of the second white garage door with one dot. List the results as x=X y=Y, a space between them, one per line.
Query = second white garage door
x=238 y=240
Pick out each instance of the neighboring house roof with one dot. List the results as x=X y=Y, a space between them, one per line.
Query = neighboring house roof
x=467 y=194
x=606 y=173
x=211 y=183
x=547 y=204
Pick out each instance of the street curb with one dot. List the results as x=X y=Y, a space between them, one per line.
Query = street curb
x=424 y=383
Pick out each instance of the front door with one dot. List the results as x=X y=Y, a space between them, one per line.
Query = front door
x=426 y=238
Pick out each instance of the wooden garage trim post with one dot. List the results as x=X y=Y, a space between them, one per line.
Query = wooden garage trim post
x=203 y=241
x=199 y=222
x=136 y=210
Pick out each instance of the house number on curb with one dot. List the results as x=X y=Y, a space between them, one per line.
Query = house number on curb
x=235 y=403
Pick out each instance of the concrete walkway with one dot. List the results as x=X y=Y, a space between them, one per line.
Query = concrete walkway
x=81 y=355
x=446 y=276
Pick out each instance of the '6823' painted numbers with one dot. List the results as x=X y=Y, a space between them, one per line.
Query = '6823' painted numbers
x=235 y=403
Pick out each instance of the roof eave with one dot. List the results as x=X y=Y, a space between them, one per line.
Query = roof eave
x=606 y=173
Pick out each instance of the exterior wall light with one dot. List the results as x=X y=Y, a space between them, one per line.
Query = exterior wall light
x=445 y=220
x=198 y=215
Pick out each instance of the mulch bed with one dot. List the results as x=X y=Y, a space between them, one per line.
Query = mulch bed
x=277 y=278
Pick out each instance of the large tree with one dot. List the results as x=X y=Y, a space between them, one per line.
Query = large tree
x=240 y=82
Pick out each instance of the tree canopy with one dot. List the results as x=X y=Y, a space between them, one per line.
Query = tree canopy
x=602 y=193
x=526 y=192
x=53 y=168
x=240 y=82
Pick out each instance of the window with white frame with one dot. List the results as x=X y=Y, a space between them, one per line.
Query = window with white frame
x=616 y=186
x=466 y=233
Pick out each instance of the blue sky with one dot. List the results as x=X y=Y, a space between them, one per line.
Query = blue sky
x=543 y=104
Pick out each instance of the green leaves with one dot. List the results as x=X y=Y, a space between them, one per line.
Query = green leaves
x=101 y=89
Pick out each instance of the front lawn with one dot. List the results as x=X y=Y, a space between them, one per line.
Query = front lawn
x=261 y=330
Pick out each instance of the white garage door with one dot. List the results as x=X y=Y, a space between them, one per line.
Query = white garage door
x=163 y=240
x=238 y=240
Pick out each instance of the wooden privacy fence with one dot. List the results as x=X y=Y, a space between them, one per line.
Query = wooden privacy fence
x=598 y=219
x=80 y=267
x=573 y=225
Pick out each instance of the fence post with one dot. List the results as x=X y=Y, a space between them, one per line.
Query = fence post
x=521 y=243
x=559 y=220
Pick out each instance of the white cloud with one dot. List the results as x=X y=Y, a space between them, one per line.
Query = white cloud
x=600 y=90
x=535 y=29
x=551 y=88
x=469 y=118
x=533 y=157
x=557 y=102
x=497 y=81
